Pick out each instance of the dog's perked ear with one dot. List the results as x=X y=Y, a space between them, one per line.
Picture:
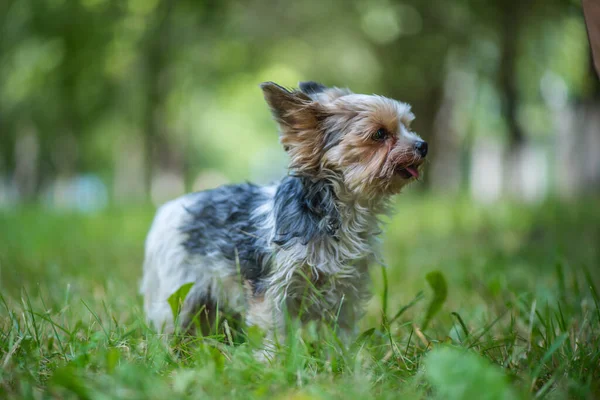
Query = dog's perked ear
x=286 y=106
x=299 y=118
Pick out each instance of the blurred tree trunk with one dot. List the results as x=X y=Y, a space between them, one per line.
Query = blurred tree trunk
x=429 y=112
x=512 y=19
x=591 y=12
x=6 y=146
x=578 y=141
x=589 y=135
x=26 y=166
x=510 y=29
x=578 y=145
x=451 y=136
x=156 y=145
x=65 y=155
x=165 y=154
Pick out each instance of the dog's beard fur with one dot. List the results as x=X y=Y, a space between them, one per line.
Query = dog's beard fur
x=304 y=242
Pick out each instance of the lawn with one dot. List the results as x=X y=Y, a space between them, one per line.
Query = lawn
x=497 y=301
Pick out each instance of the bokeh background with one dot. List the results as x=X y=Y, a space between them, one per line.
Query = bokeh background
x=108 y=108
x=108 y=102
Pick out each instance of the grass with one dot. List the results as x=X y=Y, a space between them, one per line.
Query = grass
x=476 y=302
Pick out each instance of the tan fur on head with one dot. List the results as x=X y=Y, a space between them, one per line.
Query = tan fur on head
x=332 y=133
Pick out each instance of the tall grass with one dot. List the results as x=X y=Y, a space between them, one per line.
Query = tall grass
x=475 y=302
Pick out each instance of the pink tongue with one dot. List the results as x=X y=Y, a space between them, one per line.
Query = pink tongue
x=413 y=171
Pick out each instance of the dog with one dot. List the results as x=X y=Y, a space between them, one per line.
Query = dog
x=299 y=247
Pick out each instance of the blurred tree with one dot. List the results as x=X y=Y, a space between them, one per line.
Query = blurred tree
x=156 y=46
x=591 y=10
x=94 y=85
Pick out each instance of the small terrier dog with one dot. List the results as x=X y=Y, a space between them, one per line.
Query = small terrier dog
x=302 y=245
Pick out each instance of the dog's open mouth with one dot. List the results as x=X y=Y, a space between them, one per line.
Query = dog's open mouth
x=408 y=172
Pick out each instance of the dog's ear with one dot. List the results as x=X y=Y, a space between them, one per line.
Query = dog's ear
x=288 y=107
x=299 y=119
x=311 y=87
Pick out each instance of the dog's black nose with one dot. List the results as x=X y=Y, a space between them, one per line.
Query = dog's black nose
x=421 y=148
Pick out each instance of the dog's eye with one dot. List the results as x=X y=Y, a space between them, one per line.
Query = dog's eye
x=380 y=135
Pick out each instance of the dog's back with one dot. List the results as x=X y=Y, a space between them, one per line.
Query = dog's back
x=207 y=238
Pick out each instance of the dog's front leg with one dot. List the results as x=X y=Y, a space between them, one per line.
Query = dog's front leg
x=351 y=305
x=345 y=324
x=263 y=314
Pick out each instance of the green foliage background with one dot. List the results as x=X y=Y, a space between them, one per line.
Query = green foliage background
x=173 y=85
x=478 y=300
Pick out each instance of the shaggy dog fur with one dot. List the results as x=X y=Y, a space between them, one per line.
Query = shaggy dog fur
x=301 y=245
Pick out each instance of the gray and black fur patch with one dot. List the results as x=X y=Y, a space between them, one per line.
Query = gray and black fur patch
x=221 y=223
x=304 y=210
x=311 y=87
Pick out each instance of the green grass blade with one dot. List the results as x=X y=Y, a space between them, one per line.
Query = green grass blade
x=437 y=282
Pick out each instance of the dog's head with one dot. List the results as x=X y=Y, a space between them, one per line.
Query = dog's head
x=364 y=139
